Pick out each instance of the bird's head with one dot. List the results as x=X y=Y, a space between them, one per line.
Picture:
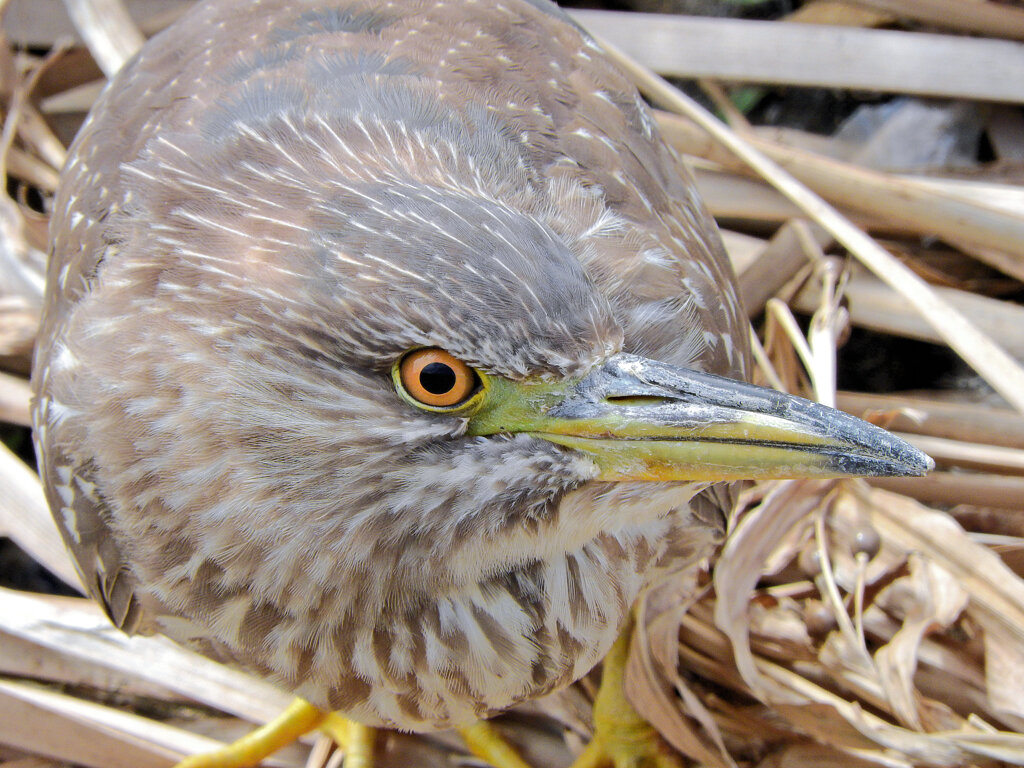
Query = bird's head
x=373 y=373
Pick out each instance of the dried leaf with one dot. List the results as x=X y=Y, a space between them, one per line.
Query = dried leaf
x=1004 y=671
x=652 y=673
x=747 y=549
x=929 y=598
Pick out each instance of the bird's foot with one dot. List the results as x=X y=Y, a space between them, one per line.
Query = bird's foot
x=484 y=741
x=298 y=719
x=627 y=745
x=622 y=738
x=355 y=739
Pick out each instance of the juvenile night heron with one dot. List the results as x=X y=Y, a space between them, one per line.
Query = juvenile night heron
x=378 y=349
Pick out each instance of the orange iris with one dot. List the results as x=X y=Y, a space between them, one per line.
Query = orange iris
x=436 y=378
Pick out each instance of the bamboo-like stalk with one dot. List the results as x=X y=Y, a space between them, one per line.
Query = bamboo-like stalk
x=78 y=628
x=37 y=134
x=73 y=730
x=31 y=169
x=876 y=305
x=741 y=50
x=837 y=12
x=107 y=29
x=778 y=262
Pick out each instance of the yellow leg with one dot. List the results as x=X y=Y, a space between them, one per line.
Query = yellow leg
x=300 y=718
x=486 y=743
x=622 y=738
x=355 y=739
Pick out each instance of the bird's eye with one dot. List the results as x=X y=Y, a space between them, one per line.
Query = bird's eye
x=435 y=378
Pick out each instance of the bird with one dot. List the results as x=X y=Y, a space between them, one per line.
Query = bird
x=389 y=353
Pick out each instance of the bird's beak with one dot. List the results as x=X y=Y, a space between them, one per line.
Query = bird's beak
x=640 y=419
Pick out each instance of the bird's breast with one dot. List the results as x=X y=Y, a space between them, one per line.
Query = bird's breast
x=456 y=657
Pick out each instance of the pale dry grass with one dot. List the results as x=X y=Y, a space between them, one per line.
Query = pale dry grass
x=844 y=623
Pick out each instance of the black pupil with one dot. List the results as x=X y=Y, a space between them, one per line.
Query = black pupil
x=437 y=378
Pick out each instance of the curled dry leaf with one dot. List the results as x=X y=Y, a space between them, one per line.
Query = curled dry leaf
x=1004 y=668
x=996 y=593
x=740 y=567
x=929 y=598
x=652 y=673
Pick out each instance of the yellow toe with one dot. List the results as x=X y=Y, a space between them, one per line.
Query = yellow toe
x=355 y=740
x=622 y=738
x=299 y=718
x=484 y=741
